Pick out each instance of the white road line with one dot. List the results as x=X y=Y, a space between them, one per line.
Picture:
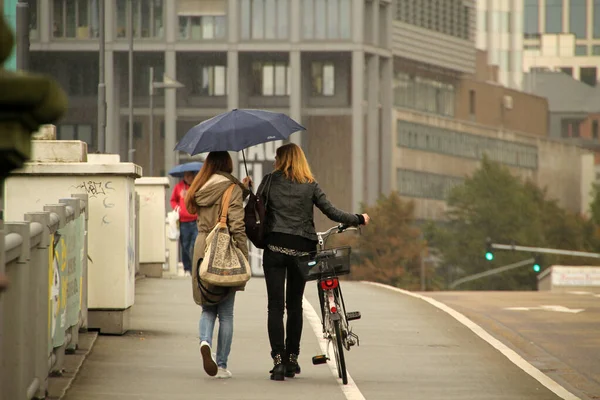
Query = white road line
x=350 y=390
x=501 y=347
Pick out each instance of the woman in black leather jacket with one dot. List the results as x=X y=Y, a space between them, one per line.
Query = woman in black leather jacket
x=290 y=233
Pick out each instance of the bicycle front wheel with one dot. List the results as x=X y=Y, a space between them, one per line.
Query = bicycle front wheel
x=339 y=352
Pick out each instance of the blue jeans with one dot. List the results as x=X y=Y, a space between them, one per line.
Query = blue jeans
x=188 y=233
x=224 y=310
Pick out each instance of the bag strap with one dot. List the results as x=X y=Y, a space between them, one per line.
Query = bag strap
x=225 y=205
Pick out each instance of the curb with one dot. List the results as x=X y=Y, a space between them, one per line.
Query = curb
x=59 y=385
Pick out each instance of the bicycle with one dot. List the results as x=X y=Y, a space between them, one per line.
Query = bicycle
x=325 y=266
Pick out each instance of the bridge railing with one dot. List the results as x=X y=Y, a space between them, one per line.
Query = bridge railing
x=45 y=305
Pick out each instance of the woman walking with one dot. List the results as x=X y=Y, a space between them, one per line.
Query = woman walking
x=290 y=233
x=187 y=221
x=204 y=198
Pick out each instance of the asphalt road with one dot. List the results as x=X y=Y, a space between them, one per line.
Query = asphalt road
x=409 y=350
x=545 y=328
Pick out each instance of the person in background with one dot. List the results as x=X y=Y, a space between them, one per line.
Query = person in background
x=188 y=231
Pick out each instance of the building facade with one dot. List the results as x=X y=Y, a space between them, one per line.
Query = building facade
x=380 y=86
x=311 y=59
x=500 y=34
x=563 y=35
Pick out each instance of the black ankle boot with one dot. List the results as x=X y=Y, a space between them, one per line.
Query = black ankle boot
x=292 y=367
x=278 y=371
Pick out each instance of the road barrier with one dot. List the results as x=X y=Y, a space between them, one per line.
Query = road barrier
x=45 y=306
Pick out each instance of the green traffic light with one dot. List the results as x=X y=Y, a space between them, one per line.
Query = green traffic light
x=489 y=256
x=536 y=267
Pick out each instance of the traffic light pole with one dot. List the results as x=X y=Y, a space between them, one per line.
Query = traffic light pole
x=542 y=250
x=491 y=272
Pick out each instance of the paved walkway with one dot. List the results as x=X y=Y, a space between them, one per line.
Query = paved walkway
x=409 y=350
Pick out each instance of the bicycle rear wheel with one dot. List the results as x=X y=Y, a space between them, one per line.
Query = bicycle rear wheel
x=338 y=347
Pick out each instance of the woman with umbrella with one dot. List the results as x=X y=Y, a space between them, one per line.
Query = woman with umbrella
x=187 y=221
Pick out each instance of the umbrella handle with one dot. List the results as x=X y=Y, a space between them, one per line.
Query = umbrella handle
x=246 y=166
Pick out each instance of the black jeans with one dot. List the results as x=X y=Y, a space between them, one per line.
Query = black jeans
x=276 y=266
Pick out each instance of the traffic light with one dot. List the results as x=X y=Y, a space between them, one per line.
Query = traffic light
x=537 y=264
x=489 y=254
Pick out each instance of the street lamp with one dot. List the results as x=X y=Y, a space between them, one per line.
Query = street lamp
x=167 y=83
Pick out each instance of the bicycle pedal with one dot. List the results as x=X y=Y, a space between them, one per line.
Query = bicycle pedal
x=320 y=359
x=353 y=315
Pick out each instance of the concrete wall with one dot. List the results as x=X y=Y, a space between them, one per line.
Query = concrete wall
x=528 y=113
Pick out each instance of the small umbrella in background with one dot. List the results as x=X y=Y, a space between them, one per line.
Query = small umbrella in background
x=180 y=169
x=237 y=130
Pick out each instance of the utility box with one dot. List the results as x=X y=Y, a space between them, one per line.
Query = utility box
x=110 y=186
x=152 y=221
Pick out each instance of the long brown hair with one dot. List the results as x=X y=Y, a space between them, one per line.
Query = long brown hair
x=290 y=160
x=216 y=161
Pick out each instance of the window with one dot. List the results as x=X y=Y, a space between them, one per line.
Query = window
x=465 y=145
x=424 y=184
x=147 y=18
x=595 y=129
x=264 y=19
x=423 y=94
x=596 y=23
x=569 y=128
x=202 y=28
x=596 y=50
x=554 y=13
x=271 y=78
x=567 y=70
x=82 y=132
x=531 y=27
x=588 y=75
x=210 y=81
x=33 y=19
x=472 y=102
x=83 y=77
x=323 y=78
x=137 y=129
x=141 y=77
x=326 y=19
x=581 y=50
x=451 y=18
x=578 y=18
x=75 y=19
x=202 y=20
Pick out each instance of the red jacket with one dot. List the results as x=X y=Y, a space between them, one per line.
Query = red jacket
x=178 y=199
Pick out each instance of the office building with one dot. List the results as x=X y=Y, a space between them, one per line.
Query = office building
x=562 y=35
x=500 y=34
x=385 y=89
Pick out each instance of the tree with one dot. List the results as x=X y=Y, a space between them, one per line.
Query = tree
x=496 y=204
x=388 y=250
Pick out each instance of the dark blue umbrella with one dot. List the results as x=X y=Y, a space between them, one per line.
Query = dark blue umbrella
x=237 y=130
x=180 y=169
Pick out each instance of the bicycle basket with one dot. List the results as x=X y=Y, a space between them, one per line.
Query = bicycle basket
x=328 y=262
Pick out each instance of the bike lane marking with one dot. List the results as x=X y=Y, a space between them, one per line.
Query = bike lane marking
x=351 y=391
x=516 y=359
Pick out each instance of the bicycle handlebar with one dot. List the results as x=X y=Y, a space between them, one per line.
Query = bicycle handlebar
x=340 y=228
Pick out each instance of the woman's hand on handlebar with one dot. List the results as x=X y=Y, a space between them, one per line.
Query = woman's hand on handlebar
x=367 y=218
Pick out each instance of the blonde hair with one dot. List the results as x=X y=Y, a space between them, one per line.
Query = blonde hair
x=290 y=160
x=216 y=161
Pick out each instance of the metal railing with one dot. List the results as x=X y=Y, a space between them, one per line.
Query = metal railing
x=45 y=306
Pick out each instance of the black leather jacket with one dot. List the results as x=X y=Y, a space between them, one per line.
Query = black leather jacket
x=290 y=207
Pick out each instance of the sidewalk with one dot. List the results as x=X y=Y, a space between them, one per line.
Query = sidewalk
x=160 y=358
x=409 y=350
